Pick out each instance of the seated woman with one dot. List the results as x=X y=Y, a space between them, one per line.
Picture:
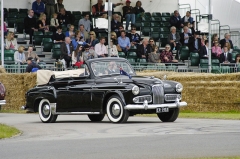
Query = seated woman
x=70 y=33
x=19 y=56
x=154 y=57
x=11 y=42
x=174 y=39
x=92 y=40
x=58 y=37
x=216 y=50
x=166 y=55
x=78 y=40
x=139 y=11
x=115 y=40
x=114 y=51
x=42 y=23
x=77 y=58
x=134 y=37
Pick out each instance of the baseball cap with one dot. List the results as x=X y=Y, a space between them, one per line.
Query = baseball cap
x=128 y=1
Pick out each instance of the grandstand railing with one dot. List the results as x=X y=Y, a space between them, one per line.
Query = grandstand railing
x=235 y=37
x=195 y=13
x=223 y=30
x=215 y=27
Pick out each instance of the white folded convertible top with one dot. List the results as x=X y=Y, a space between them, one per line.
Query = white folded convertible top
x=43 y=76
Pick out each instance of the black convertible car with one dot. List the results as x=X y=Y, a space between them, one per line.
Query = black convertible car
x=105 y=86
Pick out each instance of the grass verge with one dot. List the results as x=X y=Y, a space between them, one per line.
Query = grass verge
x=7 y=131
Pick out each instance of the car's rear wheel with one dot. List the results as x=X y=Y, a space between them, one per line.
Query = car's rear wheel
x=115 y=110
x=171 y=116
x=98 y=117
x=45 y=112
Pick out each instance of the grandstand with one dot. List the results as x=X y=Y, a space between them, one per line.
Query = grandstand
x=154 y=24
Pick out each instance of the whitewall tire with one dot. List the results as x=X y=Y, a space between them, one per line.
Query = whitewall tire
x=115 y=110
x=45 y=113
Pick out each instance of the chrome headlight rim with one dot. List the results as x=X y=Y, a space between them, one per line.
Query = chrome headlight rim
x=135 y=90
x=179 y=87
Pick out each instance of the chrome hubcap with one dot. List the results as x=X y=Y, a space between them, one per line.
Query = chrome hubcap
x=46 y=110
x=116 y=109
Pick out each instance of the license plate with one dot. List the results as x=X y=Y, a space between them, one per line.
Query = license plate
x=162 y=110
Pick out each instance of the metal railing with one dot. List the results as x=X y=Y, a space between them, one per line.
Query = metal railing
x=235 y=37
x=195 y=13
x=215 y=27
x=223 y=30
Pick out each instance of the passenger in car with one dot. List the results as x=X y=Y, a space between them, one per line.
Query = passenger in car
x=111 y=68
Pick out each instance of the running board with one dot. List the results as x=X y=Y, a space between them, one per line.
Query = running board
x=76 y=113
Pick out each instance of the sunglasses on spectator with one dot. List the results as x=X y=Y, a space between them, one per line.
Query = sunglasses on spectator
x=151 y=41
x=91 y=34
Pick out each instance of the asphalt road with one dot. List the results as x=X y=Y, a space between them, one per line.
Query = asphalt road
x=75 y=137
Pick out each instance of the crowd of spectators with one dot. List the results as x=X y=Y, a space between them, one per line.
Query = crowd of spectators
x=80 y=43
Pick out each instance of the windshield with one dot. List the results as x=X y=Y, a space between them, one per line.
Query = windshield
x=110 y=68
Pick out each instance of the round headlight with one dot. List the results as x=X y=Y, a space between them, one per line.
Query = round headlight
x=135 y=90
x=179 y=87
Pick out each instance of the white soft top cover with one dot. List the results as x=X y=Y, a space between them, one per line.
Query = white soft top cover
x=43 y=76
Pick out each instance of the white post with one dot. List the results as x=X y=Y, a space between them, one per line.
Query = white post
x=109 y=26
x=209 y=40
x=2 y=33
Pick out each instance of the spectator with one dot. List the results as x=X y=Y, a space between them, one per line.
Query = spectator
x=54 y=22
x=215 y=38
x=58 y=37
x=30 y=24
x=166 y=55
x=32 y=65
x=98 y=9
x=228 y=46
x=83 y=32
x=65 y=17
x=78 y=40
x=66 y=51
x=139 y=11
x=101 y=49
x=19 y=56
x=38 y=7
x=176 y=20
x=58 y=6
x=184 y=37
x=142 y=50
x=154 y=57
x=92 y=40
x=115 y=41
x=150 y=46
x=49 y=7
x=129 y=14
x=134 y=37
x=226 y=56
x=124 y=42
x=89 y=54
x=237 y=59
x=32 y=54
x=226 y=39
x=85 y=22
x=4 y=28
x=194 y=42
x=115 y=23
x=174 y=39
x=120 y=28
x=114 y=5
x=113 y=49
x=70 y=33
x=77 y=56
x=42 y=24
x=11 y=42
x=187 y=18
x=204 y=51
x=216 y=50
x=187 y=24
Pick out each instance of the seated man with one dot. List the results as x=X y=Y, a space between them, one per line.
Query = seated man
x=98 y=9
x=101 y=49
x=66 y=50
x=194 y=42
x=115 y=23
x=65 y=18
x=124 y=42
x=58 y=37
x=30 y=24
x=184 y=37
x=204 y=51
x=176 y=20
x=142 y=51
x=88 y=54
x=32 y=65
x=226 y=39
x=38 y=7
x=85 y=22
x=226 y=56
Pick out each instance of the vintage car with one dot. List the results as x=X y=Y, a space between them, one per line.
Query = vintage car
x=2 y=95
x=104 y=86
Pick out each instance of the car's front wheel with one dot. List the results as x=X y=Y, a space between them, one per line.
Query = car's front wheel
x=98 y=117
x=171 y=116
x=45 y=112
x=115 y=110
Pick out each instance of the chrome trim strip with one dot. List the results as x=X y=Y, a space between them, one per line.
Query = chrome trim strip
x=53 y=107
x=145 y=96
x=2 y=102
x=76 y=113
x=154 y=106
x=107 y=89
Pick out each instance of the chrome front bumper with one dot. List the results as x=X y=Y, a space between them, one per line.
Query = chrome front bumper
x=147 y=106
x=2 y=102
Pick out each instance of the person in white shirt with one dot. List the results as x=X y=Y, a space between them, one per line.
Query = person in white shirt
x=113 y=49
x=101 y=49
x=11 y=42
x=19 y=56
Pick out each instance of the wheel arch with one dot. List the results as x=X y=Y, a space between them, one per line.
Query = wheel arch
x=108 y=95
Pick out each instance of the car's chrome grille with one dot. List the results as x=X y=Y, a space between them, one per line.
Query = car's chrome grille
x=172 y=97
x=158 y=94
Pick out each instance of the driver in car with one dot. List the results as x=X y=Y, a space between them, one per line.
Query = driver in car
x=112 y=68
